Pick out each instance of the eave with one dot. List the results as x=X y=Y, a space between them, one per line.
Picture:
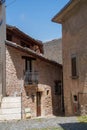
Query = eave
x=31 y=52
x=15 y=31
x=61 y=16
x=22 y=34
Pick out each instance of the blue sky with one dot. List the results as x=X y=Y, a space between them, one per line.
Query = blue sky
x=34 y=17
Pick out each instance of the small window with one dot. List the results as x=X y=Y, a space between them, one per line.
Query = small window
x=75 y=98
x=47 y=92
x=57 y=87
x=74 y=66
x=9 y=37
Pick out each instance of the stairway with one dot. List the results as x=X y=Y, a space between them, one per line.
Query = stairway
x=10 y=108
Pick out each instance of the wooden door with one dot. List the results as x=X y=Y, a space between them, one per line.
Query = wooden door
x=38 y=103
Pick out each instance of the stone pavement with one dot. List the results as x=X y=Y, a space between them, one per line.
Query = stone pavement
x=64 y=123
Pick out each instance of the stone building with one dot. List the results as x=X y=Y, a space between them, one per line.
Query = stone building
x=53 y=50
x=73 y=18
x=31 y=75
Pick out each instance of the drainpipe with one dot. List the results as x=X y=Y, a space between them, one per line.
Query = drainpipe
x=2 y=49
x=21 y=88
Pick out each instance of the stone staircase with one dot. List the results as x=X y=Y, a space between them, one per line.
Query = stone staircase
x=10 y=108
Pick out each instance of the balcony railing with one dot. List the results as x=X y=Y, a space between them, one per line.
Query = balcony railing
x=30 y=78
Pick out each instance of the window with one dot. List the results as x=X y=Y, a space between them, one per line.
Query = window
x=9 y=37
x=47 y=92
x=30 y=77
x=75 y=98
x=28 y=62
x=58 y=87
x=74 y=66
x=28 y=65
x=28 y=71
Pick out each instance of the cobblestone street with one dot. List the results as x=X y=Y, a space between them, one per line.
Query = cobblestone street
x=53 y=123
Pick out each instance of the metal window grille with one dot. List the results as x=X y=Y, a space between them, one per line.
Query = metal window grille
x=31 y=78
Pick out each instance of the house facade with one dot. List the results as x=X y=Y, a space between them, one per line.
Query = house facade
x=73 y=18
x=32 y=76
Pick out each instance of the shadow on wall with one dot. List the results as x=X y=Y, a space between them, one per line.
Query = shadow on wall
x=49 y=73
x=17 y=62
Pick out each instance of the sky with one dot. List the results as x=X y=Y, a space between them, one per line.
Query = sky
x=33 y=17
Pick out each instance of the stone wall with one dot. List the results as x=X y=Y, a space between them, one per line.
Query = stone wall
x=48 y=73
x=53 y=50
x=75 y=43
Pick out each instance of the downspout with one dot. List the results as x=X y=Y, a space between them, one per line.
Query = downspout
x=2 y=49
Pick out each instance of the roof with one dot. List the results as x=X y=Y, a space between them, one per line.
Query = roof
x=31 y=52
x=59 y=17
x=22 y=34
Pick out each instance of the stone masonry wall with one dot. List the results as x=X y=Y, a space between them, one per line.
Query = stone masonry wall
x=75 y=43
x=48 y=73
x=53 y=50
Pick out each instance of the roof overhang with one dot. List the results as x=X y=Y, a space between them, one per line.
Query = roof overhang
x=24 y=36
x=20 y=33
x=60 y=17
x=31 y=52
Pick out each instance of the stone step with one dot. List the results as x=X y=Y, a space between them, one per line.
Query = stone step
x=10 y=117
x=11 y=105
x=10 y=111
x=11 y=99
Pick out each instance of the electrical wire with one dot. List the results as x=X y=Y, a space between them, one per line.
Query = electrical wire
x=10 y=3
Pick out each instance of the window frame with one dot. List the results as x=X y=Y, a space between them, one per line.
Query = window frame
x=28 y=62
x=31 y=59
x=74 y=67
